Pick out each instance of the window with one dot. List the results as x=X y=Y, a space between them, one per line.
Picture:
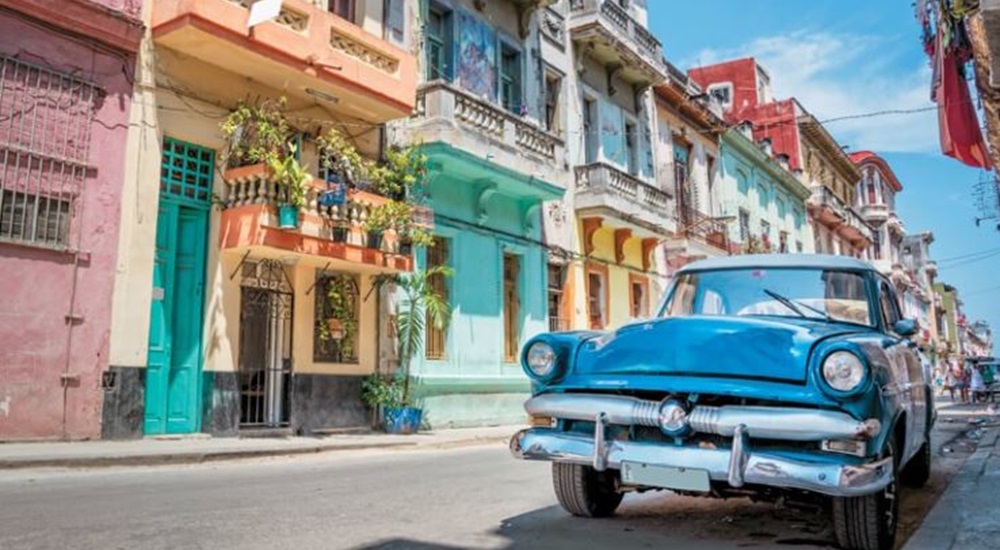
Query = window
x=394 y=22
x=34 y=218
x=744 y=225
x=765 y=234
x=437 y=256
x=553 y=91
x=335 y=334
x=783 y=242
x=556 y=280
x=749 y=292
x=798 y=246
x=631 y=151
x=439 y=43
x=876 y=245
x=342 y=8
x=638 y=297
x=889 y=305
x=510 y=79
x=723 y=93
x=511 y=307
x=597 y=293
x=590 y=137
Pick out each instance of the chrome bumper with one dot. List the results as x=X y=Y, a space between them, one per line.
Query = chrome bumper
x=736 y=466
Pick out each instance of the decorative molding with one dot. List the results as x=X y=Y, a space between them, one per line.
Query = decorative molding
x=590 y=226
x=486 y=192
x=553 y=27
x=613 y=69
x=648 y=245
x=621 y=236
x=350 y=46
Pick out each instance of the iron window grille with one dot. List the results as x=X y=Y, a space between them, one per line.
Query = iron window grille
x=46 y=118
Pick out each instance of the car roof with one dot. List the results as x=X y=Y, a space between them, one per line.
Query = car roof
x=749 y=261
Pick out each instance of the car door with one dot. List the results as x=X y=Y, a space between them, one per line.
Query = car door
x=906 y=364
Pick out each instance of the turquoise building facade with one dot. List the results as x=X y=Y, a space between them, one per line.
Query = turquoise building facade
x=488 y=227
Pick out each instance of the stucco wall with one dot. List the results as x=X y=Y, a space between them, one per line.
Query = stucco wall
x=41 y=287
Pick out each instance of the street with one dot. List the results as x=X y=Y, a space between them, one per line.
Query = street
x=474 y=497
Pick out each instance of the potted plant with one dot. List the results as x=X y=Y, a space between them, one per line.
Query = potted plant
x=382 y=218
x=292 y=180
x=339 y=231
x=418 y=304
x=385 y=393
x=257 y=133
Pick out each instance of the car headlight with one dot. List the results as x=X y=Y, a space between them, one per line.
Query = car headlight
x=541 y=359
x=843 y=371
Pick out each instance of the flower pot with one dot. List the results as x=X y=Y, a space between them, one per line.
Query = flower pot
x=402 y=420
x=339 y=234
x=375 y=240
x=288 y=216
x=336 y=329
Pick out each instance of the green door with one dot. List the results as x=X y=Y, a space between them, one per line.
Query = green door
x=175 y=327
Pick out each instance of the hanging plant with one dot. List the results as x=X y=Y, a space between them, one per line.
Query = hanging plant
x=340 y=323
x=257 y=133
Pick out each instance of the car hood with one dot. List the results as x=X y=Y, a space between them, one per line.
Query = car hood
x=738 y=347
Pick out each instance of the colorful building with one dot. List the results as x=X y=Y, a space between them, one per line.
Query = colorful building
x=65 y=96
x=766 y=201
x=496 y=156
x=743 y=87
x=687 y=155
x=619 y=212
x=875 y=200
x=221 y=318
x=920 y=301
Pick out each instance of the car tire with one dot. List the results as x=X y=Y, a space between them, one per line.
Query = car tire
x=918 y=470
x=869 y=522
x=585 y=492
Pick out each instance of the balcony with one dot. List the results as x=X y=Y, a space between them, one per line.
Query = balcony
x=608 y=33
x=604 y=189
x=829 y=210
x=326 y=234
x=875 y=214
x=447 y=114
x=895 y=225
x=306 y=53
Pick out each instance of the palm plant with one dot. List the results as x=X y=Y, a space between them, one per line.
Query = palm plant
x=419 y=304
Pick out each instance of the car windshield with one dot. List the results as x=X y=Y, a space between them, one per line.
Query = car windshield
x=825 y=294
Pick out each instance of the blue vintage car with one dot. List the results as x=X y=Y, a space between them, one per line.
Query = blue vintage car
x=767 y=376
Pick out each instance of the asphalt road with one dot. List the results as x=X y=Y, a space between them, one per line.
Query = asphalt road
x=463 y=498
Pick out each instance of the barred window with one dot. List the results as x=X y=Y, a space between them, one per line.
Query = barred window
x=45 y=122
x=335 y=335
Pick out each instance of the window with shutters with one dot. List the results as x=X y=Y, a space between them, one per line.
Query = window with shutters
x=394 y=22
x=45 y=122
x=597 y=296
x=439 y=43
x=511 y=307
x=553 y=91
x=510 y=78
x=342 y=8
x=437 y=256
x=557 y=274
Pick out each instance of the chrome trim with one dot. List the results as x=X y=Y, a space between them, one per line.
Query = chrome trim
x=787 y=423
x=764 y=468
x=600 y=447
x=738 y=456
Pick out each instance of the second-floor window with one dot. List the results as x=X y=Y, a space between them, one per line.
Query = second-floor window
x=439 y=43
x=765 y=234
x=553 y=90
x=631 y=151
x=783 y=242
x=510 y=79
x=342 y=8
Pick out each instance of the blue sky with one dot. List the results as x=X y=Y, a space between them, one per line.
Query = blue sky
x=848 y=57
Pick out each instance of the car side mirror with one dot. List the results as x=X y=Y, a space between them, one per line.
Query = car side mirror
x=905 y=327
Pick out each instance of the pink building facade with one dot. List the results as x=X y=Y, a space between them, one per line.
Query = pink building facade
x=65 y=93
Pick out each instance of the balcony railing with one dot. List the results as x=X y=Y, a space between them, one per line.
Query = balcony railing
x=823 y=197
x=251 y=186
x=600 y=177
x=701 y=226
x=875 y=213
x=440 y=99
x=621 y=27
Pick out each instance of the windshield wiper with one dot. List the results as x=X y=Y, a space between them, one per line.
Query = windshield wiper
x=795 y=305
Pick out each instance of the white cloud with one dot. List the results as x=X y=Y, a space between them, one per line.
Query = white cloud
x=835 y=75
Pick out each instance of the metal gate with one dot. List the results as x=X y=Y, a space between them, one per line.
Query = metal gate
x=265 y=345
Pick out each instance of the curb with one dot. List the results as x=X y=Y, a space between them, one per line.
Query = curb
x=943 y=524
x=198 y=457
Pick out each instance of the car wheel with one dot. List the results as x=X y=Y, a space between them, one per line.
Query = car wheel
x=583 y=491
x=918 y=470
x=869 y=522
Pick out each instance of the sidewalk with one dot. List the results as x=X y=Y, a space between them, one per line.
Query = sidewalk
x=89 y=454
x=967 y=517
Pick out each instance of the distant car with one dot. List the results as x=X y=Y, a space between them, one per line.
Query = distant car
x=768 y=376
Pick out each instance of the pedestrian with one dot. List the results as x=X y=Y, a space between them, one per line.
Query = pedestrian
x=951 y=381
x=976 y=384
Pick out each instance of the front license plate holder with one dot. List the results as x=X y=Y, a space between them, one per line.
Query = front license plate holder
x=665 y=477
